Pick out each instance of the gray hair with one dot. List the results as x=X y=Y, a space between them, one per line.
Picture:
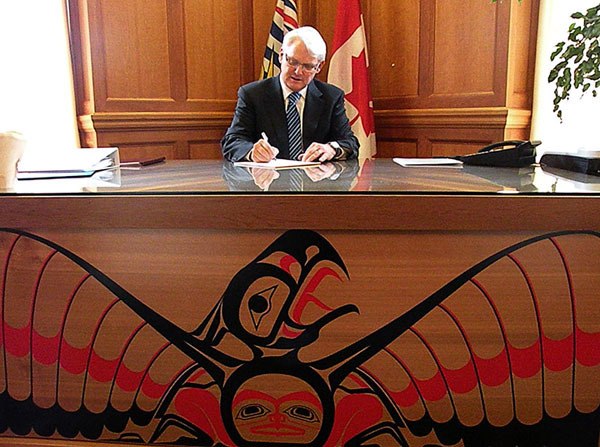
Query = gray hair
x=310 y=37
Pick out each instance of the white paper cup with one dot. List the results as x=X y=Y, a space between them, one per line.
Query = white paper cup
x=12 y=146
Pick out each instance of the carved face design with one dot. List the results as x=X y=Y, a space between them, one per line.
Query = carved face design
x=277 y=408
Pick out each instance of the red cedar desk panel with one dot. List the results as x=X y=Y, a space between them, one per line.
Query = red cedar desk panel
x=173 y=235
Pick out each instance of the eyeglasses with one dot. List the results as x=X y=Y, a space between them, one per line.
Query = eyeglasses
x=305 y=67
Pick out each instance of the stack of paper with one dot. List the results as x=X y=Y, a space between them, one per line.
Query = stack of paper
x=277 y=163
x=70 y=163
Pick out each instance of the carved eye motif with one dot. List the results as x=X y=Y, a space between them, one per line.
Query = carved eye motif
x=302 y=413
x=252 y=411
x=260 y=305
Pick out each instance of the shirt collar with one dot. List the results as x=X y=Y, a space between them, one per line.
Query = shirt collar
x=287 y=91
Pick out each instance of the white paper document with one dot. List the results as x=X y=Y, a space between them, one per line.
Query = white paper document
x=428 y=162
x=277 y=163
x=69 y=163
x=101 y=180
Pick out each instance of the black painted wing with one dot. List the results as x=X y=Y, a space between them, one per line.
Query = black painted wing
x=74 y=358
x=508 y=353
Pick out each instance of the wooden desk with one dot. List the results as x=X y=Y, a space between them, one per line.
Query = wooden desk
x=406 y=306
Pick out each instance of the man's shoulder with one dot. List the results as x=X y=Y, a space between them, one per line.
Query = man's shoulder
x=260 y=84
x=328 y=89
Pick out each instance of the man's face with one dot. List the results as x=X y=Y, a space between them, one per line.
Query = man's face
x=298 y=66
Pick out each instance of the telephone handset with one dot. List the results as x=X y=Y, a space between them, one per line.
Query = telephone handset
x=510 y=153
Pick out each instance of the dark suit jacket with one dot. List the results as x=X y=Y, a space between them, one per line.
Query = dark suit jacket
x=261 y=108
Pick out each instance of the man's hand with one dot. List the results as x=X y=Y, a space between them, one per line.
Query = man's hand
x=263 y=152
x=319 y=152
x=264 y=177
x=320 y=172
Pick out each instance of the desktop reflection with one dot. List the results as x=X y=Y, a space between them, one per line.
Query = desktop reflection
x=332 y=176
x=378 y=176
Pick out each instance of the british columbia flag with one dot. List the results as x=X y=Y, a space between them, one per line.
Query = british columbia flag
x=284 y=20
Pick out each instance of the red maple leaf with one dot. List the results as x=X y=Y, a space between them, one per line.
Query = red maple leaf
x=360 y=96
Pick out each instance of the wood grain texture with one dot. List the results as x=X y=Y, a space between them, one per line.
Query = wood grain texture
x=174 y=237
x=426 y=213
x=182 y=273
x=189 y=57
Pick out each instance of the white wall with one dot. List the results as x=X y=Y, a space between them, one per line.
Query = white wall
x=580 y=128
x=36 y=91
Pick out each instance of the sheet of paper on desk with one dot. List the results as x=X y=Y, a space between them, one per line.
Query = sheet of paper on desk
x=428 y=162
x=67 y=163
x=277 y=163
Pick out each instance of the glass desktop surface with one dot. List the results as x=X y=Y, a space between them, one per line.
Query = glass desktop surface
x=378 y=176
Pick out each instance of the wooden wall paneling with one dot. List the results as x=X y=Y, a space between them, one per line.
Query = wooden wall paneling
x=444 y=142
x=458 y=49
x=522 y=50
x=130 y=45
x=247 y=60
x=390 y=145
x=177 y=52
x=433 y=142
x=474 y=127
x=152 y=149
x=168 y=66
x=136 y=145
x=137 y=128
x=262 y=14
x=217 y=59
x=469 y=54
x=159 y=65
x=322 y=17
x=394 y=40
x=449 y=146
x=183 y=58
x=203 y=146
x=134 y=133
x=186 y=144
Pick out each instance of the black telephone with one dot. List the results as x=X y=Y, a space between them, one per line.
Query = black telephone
x=510 y=153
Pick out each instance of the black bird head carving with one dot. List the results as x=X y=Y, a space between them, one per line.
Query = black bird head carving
x=266 y=302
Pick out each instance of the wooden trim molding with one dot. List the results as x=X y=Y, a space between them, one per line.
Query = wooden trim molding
x=463 y=118
x=87 y=133
x=152 y=121
x=518 y=119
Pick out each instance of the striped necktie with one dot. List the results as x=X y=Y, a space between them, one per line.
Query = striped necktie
x=296 y=179
x=293 y=123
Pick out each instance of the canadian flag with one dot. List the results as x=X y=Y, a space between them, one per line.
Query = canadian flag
x=349 y=70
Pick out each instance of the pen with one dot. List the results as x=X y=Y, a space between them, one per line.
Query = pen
x=144 y=162
x=266 y=138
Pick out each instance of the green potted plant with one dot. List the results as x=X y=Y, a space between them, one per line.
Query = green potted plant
x=578 y=66
x=578 y=57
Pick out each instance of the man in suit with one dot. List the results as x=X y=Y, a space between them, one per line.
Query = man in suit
x=261 y=129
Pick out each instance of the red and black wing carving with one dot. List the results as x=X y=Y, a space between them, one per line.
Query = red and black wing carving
x=98 y=367
x=506 y=353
